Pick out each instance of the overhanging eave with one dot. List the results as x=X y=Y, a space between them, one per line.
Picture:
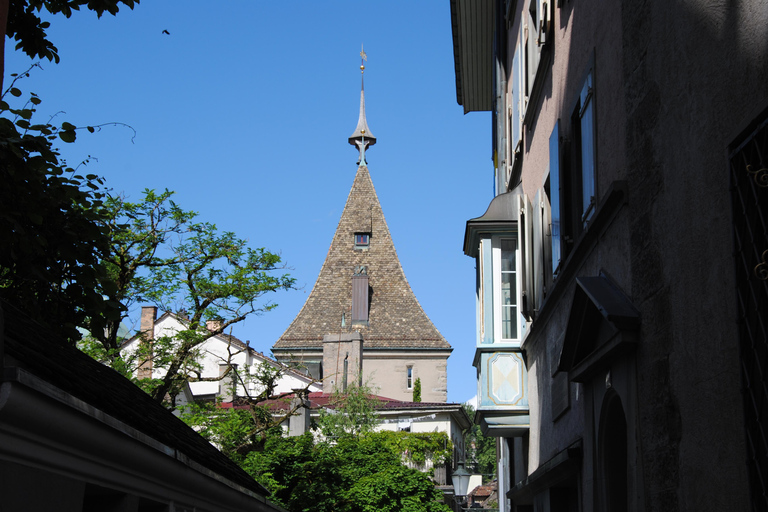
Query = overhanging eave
x=472 y=23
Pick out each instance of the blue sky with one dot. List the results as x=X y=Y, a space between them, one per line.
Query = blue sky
x=245 y=111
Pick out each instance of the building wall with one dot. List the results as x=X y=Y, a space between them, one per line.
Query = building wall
x=674 y=84
x=695 y=73
x=215 y=354
x=388 y=373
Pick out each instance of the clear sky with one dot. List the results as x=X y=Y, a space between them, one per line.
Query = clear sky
x=244 y=110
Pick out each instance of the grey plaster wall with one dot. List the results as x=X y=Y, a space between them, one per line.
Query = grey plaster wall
x=695 y=75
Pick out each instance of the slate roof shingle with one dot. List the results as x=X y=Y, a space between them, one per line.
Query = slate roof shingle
x=396 y=319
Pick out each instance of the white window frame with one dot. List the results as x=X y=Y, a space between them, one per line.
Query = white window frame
x=409 y=377
x=497 y=305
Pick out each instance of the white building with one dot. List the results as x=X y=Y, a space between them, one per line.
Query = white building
x=216 y=355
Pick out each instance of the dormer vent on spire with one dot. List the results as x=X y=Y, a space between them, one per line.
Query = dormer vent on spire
x=362 y=137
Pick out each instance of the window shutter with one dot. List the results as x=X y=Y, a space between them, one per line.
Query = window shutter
x=539 y=240
x=360 y=299
x=555 y=220
x=544 y=256
x=526 y=256
x=515 y=117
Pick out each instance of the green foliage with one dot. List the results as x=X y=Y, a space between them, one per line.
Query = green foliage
x=26 y=27
x=351 y=412
x=110 y=357
x=361 y=471
x=245 y=427
x=138 y=234
x=417 y=390
x=418 y=447
x=481 y=449
x=158 y=253
x=353 y=474
x=236 y=432
x=395 y=488
x=50 y=224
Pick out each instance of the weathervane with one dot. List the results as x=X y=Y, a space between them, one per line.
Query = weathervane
x=362 y=137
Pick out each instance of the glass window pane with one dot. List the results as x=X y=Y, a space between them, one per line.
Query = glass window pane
x=508 y=247
x=509 y=322
x=507 y=289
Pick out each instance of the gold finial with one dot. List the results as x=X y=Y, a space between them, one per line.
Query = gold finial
x=363 y=59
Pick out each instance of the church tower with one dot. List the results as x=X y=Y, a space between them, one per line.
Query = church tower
x=362 y=321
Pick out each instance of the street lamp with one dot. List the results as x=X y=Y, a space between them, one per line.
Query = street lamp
x=460 y=479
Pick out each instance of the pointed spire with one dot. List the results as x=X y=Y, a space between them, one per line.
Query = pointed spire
x=362 y=137
x=396 y=320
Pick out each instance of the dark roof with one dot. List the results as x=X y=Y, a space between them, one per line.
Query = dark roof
x=47 y=356
x=319 y=400
x=396 y=319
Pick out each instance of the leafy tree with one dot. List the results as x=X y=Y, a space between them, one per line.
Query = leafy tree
x=158 y=253
x=417 y=390
x=50 y=224
x=419 y=448
x=350 y=412
x=355 y=473
x=481 y=449
x=140 y=235
x=246 y=425
x=20 y=21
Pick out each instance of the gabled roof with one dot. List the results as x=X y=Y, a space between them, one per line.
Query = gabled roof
x=601 y=326
x=396 y=319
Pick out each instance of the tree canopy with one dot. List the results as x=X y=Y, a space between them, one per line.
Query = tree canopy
x=352 y=412
x=25 y=26
x=353 y=469
x=159 y=253
x=21 y=21
x=50 y=224
x=481 y=449
x=355 y=473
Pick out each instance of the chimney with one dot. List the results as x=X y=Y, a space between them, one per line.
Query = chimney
x=147 y=334
x=148 y=317
x=227 y=382
x=342 y=360
x=298 y=423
